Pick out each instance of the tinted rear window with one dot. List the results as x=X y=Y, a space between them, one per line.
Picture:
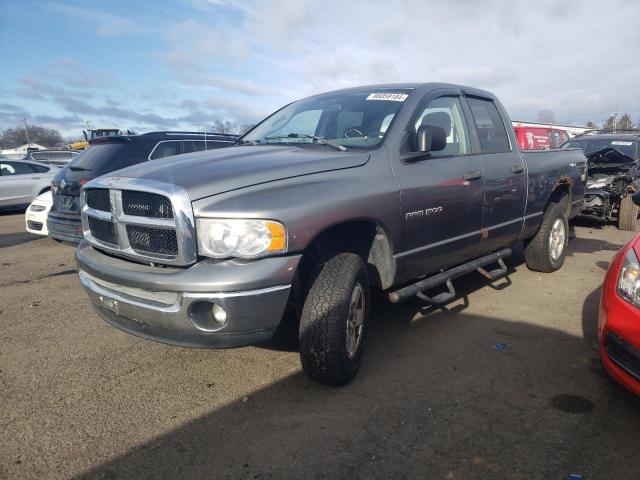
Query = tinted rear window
x=107 y=157
x=491 y=132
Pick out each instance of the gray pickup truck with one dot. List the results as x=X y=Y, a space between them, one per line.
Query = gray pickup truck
x=401 y=188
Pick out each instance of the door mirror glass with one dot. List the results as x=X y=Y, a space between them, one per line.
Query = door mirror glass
x=430 y=138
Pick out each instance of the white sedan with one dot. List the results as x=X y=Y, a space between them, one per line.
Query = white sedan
x=36 y=215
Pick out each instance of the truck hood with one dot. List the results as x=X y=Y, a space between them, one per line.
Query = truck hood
x=207 y=173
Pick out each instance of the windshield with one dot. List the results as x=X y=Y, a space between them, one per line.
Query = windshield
x=628 y=148
x=103 y=157
x=351 y=119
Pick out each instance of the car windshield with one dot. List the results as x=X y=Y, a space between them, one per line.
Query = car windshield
x=357 y=119
x=628 y=148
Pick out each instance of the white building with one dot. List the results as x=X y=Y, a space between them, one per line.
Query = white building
x=20 y=152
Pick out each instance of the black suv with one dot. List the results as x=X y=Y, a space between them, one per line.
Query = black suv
x=614 y=173
x=107 y=154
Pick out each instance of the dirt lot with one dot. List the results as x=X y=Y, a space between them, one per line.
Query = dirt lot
x=434 y=398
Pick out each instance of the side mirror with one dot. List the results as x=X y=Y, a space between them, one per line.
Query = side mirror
x=430 y=138
x=636 y=198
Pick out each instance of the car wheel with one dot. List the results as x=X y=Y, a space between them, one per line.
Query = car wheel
x=334 y=320
x=545 y=252
x=628 y=214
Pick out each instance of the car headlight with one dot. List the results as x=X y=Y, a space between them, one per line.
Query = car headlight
x=226 y=237
x=37 y=208
x=629 y=280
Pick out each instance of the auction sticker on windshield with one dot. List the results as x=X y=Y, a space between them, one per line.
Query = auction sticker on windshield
x=617 y=142
x=392 y=97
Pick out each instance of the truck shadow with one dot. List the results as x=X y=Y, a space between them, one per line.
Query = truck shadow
x=13 y=239
x=435 y=398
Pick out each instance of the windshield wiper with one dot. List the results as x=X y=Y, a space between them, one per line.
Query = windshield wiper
x=322 y=140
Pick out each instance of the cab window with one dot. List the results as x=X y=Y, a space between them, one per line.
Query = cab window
x=446 y=112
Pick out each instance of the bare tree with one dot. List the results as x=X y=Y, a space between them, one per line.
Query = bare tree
x=625 y=122
x=610 y=123
x=546 y=116
x=47 y=137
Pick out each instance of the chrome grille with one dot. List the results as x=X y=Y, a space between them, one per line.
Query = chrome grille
x=140 y=219
x=152 y=240
x=103 y=230
x=144 y=204
x=98 y=198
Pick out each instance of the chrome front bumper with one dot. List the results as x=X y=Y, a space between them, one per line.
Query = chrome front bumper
x=174 y=306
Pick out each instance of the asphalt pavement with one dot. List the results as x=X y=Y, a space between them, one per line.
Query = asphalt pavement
x=504 y=383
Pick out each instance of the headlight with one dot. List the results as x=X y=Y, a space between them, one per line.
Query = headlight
x=225 y=238
x=37 y=208
x=629 y=280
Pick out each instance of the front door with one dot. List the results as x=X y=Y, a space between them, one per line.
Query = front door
x=441 y=193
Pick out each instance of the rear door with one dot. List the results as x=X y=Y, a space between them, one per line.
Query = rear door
x=505 y=176
x=442 y=193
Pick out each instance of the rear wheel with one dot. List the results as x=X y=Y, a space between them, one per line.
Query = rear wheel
x=546 y=251
x=627 y=214
x=334 y=320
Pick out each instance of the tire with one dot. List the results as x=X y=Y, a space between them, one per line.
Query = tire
x=545 y=252
x=339 y=289
x=627 y=214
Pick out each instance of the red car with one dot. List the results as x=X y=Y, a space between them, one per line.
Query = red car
x=619 y=317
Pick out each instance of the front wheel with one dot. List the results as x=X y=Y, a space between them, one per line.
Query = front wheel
x=546 y=251
x=334 y=320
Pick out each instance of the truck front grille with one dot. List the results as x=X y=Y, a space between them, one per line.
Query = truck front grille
x=153 y=240
x=144 y=204
x=103 y=230
x=128 y=218
x=98 y=199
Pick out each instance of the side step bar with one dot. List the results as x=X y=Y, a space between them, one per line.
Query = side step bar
x=416 y=289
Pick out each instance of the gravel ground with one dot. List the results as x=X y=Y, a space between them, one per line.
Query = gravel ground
x=434 y=399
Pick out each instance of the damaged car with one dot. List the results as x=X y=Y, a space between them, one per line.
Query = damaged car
x=613 y=176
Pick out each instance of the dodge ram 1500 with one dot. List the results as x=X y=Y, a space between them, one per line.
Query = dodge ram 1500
x=400 y=187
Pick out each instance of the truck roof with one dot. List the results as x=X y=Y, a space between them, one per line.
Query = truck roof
x=423 y=87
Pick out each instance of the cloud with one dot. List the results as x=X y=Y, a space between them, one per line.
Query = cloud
x=238 y=60
x=103 y=24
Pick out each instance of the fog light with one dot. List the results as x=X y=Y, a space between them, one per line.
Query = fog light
x=208 y=316
x=219 y=314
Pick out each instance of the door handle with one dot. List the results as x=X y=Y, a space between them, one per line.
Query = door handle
x=517 y=168
x=472 y=175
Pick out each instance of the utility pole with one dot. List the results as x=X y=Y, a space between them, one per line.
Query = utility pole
x=26 y=130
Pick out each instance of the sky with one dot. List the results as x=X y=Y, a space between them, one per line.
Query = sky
x=183 y=64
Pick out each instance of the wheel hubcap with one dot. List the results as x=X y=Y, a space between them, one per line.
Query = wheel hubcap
x=355 y=320
x=557 y=239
